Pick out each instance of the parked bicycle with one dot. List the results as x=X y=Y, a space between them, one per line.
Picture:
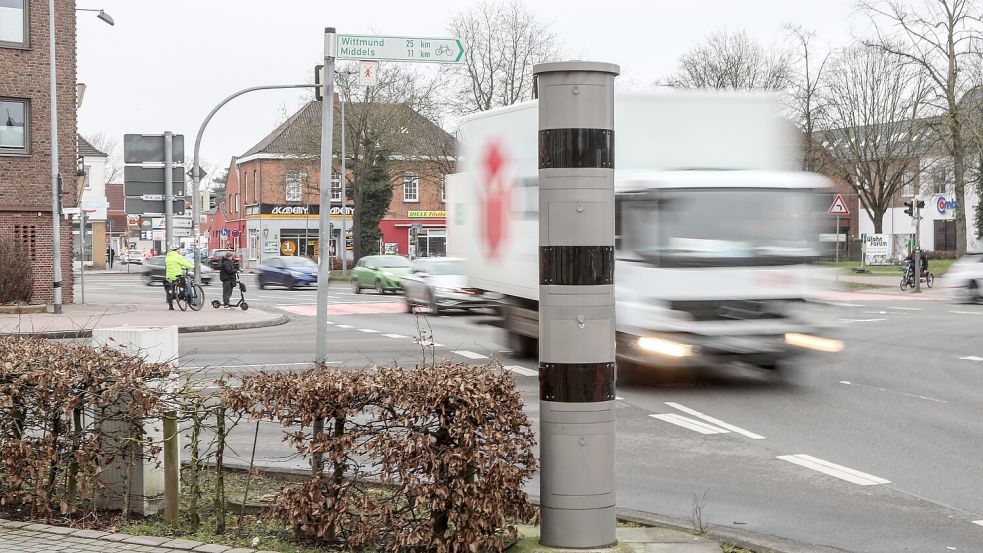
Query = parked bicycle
x=187 y=293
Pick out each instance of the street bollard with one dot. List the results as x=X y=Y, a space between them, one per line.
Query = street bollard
x=576 y=303
x=148 y=483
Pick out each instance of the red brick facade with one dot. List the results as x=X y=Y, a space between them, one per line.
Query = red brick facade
x=25 y=180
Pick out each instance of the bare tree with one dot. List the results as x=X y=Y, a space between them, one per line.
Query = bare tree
x=114 y=159
x=940 y=37
x=502 y=43
x=870 y=125
x=807 y=74
x=733 y=61
x=386 y=126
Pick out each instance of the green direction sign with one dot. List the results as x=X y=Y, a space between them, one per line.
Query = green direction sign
x=400 y=48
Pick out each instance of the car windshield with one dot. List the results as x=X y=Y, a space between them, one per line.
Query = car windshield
x=714 y=227
x=392 y=262
x=298 y=262
x=445 y=268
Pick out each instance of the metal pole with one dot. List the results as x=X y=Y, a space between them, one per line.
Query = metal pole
x=55 y=192
x=172 y=461
x=837 y=239
x=82 y=253
x=196 y=169
x=324 y=220
x=576 y=304
x=344 y=197
x=168 y=190
x=917 y=257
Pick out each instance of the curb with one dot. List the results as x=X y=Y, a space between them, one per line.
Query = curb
x=187 y=329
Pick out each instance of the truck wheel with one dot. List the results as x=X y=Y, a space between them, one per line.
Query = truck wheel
x=523 y=346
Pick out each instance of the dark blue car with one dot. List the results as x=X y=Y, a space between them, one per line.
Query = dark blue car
x=289 y=271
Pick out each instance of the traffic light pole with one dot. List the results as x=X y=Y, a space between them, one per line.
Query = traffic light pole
x=918 y=254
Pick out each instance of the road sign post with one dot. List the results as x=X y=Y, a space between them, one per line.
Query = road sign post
x=168 y=188
x=576 y=304
x=837 y=208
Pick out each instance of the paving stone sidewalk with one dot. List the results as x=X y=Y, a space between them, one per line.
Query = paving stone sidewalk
x=23 y=537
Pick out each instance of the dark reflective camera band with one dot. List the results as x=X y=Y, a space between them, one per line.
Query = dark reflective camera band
x=576 y=265
x=576 y=382
x=576 y=149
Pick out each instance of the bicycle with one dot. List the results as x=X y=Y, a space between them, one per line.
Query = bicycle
x=444 y=50
x=908 y=278
x=187 y=293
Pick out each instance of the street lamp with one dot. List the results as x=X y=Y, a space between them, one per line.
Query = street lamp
x=102 y=15
x=55 y=189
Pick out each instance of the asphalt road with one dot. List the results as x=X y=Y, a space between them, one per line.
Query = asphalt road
x=878 y=448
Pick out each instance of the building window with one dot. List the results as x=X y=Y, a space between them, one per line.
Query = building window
x=907 y=184
x=88 y=173
x=293 y=188
x=14 y=127
x=336 y=187
x=411 y=187
x=14 y=22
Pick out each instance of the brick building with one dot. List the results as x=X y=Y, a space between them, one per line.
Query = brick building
x=277 y=191
x=25 y=133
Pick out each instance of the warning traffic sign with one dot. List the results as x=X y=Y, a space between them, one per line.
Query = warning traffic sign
x=838 y=207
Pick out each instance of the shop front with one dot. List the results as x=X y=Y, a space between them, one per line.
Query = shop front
x=290 y=230
x=419 y=234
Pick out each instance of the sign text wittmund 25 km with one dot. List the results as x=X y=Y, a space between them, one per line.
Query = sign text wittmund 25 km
x=400 y=48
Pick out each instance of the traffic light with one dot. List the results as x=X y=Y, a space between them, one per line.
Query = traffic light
x=319 y=80
x=921 y=204
x=909 y=209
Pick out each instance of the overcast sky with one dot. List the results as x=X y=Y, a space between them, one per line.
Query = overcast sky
x=167 y=63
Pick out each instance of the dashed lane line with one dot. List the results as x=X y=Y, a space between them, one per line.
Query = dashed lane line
x=470 y=354
x=345 y=326
x=834 y=470
x=521 y=370
x=396 y=336
x=967 y=312
x=691 y=424
x=861 y=320
x=715 y=421
x=978 y=522
x=887 y=390
x=971 y=358
x=906 y=308
x=368 y=330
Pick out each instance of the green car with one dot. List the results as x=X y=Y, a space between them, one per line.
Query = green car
x=381 y=272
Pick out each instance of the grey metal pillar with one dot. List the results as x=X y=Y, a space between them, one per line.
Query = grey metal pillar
x=324 y=226
x=344 y=197
x=55 y=177
x=168 y=190
x=576 y=303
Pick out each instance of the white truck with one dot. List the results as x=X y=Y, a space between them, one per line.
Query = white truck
x=713 y=228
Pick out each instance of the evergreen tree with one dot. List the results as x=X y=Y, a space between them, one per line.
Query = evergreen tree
x=373 y=192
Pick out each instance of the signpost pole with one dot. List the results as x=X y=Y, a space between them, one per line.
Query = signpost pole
x=576 y=291
x=168 y=189
x=837 y=239
x=344 y=198
x=917 y=269
x=324 y=223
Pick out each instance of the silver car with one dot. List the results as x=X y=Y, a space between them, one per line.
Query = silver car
x=965 y=277
x=438 y=284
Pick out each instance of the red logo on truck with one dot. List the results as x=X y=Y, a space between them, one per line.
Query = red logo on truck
x=494 y=200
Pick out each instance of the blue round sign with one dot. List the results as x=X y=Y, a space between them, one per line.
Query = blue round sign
x=225 y=232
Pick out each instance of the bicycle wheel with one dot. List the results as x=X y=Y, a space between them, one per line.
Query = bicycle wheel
x=904 y=282
x=197 y=297
x=930 y=280
x=181 y=297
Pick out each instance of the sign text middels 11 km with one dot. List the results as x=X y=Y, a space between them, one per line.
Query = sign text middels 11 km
x=400 y=48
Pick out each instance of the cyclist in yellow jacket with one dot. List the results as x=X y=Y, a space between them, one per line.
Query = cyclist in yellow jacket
x=174 y=262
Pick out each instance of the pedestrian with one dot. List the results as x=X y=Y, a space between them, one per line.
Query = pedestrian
x=227 y=273
x=174 y=262
x=111 y=254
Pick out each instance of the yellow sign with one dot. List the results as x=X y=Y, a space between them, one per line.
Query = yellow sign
x=288 y=247
x=425 y=214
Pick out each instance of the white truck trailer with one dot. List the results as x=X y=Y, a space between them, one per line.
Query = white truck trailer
x=714 y=228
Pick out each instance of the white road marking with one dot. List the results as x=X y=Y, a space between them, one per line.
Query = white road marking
x=832 y=469
x=979 y=522
x=692 y=424
x=861 y=320
x=906 y=308
x=906 y=394
x=470 y=354
x=619 y=398
x=521 y=370
x=841 y=304
x=972 y=358
x=717 y=422
x=875 y=312
x=967 y=312
x=397 y=336
x=345 y=326
x=368 y=330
